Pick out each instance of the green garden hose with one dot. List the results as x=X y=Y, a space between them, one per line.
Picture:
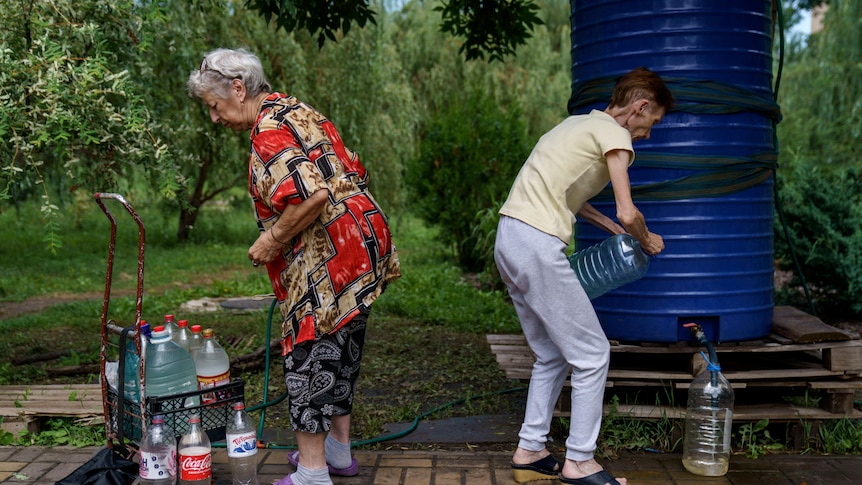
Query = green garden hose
x=265 y=404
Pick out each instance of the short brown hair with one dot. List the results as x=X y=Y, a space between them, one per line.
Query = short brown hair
x=641 y=83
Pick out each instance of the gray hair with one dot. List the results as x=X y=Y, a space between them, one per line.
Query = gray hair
x=221 y=66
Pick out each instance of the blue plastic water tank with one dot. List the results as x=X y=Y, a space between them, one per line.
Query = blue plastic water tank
x=717 y=268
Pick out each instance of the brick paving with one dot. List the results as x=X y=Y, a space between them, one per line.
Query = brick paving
x=44 y=466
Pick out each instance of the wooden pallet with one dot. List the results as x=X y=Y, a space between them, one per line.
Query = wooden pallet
x=26 y=407
x=798 y=360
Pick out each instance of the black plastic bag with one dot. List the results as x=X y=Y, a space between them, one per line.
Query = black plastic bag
x=106 y=467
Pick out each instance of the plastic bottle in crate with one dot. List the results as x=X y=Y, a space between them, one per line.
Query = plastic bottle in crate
x=195 y=455
x=158 y=455
x=196 y=341
x=170 y=324
x=183 y=336
x=170 y=369
x=131 y=372
x=213 y=366
x=241 y=442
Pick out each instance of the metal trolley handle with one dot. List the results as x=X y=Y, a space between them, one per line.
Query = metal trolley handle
x=108 y=325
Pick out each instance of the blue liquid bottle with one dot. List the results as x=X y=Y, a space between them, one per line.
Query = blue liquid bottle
x=610 y=264
x=131 y=371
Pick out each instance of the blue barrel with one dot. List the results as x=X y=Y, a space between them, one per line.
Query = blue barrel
x=717 y=268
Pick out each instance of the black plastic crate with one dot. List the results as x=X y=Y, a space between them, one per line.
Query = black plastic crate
x=214 y=416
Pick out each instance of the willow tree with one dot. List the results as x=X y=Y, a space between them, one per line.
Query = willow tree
x=820 y=175
x=70 y=116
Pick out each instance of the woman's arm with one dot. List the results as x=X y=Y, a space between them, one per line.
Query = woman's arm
x=292 y=221
x=627 y=213
x=596 y=218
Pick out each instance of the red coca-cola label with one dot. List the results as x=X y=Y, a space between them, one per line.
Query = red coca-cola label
x=195 y=467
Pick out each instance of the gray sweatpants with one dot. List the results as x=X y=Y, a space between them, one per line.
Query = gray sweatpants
x=563 y=331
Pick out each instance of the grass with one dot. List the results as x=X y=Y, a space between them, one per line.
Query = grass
x=425 y=345
x=425 y=342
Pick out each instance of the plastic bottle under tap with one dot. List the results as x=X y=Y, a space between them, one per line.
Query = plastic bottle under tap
x=195 y=455
x=610 y=264
x=183 y=336
x=196 y=339
x=708 y=421
x=212 y=364
x=158 y=455
x=241 y=443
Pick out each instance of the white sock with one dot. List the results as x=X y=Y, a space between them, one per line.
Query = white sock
x=337 y=453
x=307 y=476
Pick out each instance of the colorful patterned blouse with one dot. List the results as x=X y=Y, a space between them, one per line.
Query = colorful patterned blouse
x=341 y=263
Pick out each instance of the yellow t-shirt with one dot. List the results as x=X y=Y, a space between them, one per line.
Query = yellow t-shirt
x=566 y=168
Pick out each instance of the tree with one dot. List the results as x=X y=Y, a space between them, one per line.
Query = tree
x=211 y=159
x=70 y=116
x=821 y=187
x=492 y=27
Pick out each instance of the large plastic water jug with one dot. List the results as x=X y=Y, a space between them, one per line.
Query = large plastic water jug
x=170 y=369
x=610 y=264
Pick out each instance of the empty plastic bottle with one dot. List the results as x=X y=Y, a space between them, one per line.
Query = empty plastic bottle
x=158 y=455
x=708 y=420
x=196 y=341
x=195 y=455
x=213 y=366
x=241 y=443
x=170 y=324
x=610 y=264
x=183 y=336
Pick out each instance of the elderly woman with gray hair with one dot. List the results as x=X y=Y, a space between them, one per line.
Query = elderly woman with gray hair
x=324 y=240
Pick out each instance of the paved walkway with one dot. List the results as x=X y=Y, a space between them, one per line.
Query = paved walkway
x=44 y=466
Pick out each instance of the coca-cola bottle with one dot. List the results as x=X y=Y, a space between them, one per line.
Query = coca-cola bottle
x=195 y=455
x=158 y=455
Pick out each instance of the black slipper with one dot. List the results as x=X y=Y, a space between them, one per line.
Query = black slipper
x=548 y=468
x=598 y=478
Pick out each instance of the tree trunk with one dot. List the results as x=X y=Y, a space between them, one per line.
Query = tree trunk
x=188 y=216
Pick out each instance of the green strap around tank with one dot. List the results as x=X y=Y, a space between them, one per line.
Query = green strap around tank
x=690 y=96
x=718 y=175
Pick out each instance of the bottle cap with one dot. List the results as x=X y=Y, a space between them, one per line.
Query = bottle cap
x=158 y=419
x=238 y=405
x=196 y=328
x=183 y=323
x=159 y=334
x=208 y=333
x=169 y=318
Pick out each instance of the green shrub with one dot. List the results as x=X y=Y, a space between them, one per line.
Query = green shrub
x=467 y=161
x=823 y=214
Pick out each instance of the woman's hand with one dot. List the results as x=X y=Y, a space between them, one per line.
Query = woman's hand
x=654 y=244
x=294 y=219
x=264 y=249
